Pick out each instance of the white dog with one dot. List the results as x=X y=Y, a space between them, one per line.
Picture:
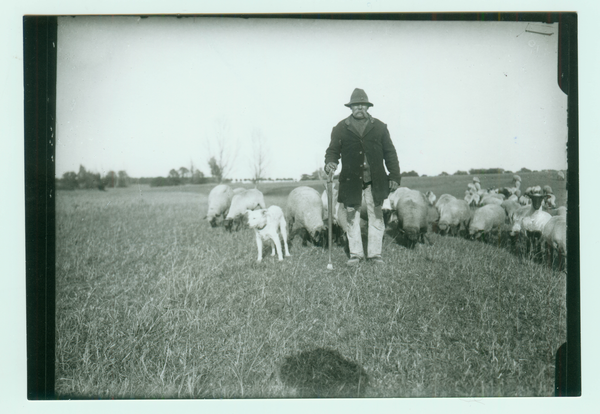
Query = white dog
x=267 y=225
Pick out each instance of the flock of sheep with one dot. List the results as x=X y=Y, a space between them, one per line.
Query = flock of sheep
x=532 y=214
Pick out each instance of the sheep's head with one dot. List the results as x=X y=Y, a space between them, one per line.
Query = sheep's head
x=212 y=221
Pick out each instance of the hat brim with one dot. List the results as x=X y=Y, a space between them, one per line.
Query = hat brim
x=358 y=103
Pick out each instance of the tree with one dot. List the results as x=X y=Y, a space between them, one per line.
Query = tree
x=215 y=169
x=224 y=153
x=69 y=180
x=174 y=177
x=444 y=174
x=459 y=172
x=110 y=179
x=259 y=157
x=122 y=179
x=524 y=170
x=183 y=172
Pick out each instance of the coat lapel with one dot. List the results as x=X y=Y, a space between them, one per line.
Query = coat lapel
x=368 y=128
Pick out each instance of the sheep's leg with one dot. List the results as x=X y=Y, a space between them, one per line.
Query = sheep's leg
x=259 y=245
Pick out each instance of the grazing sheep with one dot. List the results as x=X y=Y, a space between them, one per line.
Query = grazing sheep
x=242 y=201
x=268 y=225
x=443 y=200
x=554 y=234
x=486 y=219
x=454 y=217
x=305 y=211
x=560 y=175
x=219 y=201
x=411 y=209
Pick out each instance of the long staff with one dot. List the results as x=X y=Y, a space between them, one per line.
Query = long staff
x=330 y=215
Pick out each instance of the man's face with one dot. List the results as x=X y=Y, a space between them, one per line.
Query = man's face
x=359 y=111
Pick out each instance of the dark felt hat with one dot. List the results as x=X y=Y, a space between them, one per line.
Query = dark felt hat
x=358 y=97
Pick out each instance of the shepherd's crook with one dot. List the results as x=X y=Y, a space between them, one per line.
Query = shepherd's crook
x=330 y=215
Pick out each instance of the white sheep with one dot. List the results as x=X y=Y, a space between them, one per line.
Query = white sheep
x=442 y=201
x=411 y=209
x=492 y=198
x=560 y=175
x=486 y=219
x=524 y=200
x=554 y=234
x=219 y=201
x=531 y=226
x=244 y=200
x=304 y=214
x=510 y=206
x=560 y=211
x=268 y=224
x=471 y=198
x=430 y=196
x=549 y=202
x=454 y=217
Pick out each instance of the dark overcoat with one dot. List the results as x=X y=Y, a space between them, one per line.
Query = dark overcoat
x=377 y=145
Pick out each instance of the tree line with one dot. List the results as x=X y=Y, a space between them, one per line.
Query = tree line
x=85 y=179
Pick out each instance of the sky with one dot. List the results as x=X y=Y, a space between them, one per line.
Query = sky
x=154 y=94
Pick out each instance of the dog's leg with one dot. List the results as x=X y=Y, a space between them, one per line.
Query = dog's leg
x=277 y=242
x=283 y=230
x=259 y=245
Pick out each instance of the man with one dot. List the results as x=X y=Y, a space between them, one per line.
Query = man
x=363 y=143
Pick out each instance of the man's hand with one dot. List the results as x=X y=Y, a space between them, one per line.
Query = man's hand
x=393 y=186
x=330 y=167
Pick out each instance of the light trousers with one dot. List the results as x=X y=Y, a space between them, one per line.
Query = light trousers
x=376 y=228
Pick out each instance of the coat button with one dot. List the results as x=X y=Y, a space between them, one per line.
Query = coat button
x=360 y=152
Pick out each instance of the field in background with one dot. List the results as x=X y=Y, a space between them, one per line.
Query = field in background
x=153 y=303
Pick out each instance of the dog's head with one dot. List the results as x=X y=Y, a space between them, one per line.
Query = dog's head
x=257 y=219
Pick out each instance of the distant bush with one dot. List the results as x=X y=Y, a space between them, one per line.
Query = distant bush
x=459 y=172
x=475 y=171
x=409 y=174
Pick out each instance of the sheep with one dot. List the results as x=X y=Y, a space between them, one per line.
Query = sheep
x=472 y=199
x=268 y=225
x=411 y=209
x=454 y=217
x=244 y=200
x=430 y=197
x=443 y=200
x=549 y=202
x=219 y=201
x=305 y=210
x=485 y=220
x=560 y=211
x=560 y=175
x=510 y=206
x=492 y=199
x=531 y=226
x=528 y=210
x=524 y=200
x=554 y=234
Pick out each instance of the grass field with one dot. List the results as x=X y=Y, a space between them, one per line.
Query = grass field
x=153 y=303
